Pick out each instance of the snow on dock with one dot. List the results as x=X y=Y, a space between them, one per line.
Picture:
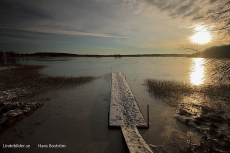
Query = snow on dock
x=123 y=106
x=125 y=113
x=134 y=141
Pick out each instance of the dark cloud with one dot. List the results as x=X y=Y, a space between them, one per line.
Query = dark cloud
x=6 y=5
x=30 y=13
x=175 y=8
x=21 y=12
x=46 y=12
x=192 y=9
x=38 y=10
x=191 y=13
x=81 y=17
x=185 y=8
x=213 y=1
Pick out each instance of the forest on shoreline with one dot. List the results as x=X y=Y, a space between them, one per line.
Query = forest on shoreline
x=214 y=52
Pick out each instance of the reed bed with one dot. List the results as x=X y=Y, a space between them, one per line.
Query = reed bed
x=166 y=89
x=174 y=89
x=30 y=78
x=18 y=81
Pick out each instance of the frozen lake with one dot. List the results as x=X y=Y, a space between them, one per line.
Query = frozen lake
x=138 y=68
x=78 y=117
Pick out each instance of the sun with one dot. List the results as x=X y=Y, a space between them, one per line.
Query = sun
x=202 y=35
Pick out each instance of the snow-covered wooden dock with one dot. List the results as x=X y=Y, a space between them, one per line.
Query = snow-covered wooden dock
x=125 y=113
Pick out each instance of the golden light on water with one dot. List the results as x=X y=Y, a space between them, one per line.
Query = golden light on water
x=201 y=36
x=197 y=71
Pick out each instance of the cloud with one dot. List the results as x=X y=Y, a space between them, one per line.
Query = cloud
x=186 y=8
x=213 y=1
x=64 y=32
x=70 y=17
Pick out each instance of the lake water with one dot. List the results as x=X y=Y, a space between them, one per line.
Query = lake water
x=160 y=68
x=78 y=117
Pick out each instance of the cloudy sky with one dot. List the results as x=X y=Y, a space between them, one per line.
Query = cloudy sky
x=100 y=26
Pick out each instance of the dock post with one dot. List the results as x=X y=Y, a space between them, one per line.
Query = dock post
x=148 y=115
x=108 y=120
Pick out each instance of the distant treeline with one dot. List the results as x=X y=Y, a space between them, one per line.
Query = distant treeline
x=214 y=52
x=8 y=53
x=114 y=55
x=53 y=54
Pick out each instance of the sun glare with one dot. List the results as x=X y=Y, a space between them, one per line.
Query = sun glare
x=197 y=72
x=201 y=36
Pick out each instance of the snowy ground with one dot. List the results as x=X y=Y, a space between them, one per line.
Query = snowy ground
x=8 y=67
x=124 y=112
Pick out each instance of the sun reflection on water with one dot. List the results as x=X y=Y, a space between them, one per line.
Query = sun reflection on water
x=197 y=71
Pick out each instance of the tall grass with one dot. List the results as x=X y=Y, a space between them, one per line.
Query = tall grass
x=163 y=88
x=30 y=79
x=177 y=90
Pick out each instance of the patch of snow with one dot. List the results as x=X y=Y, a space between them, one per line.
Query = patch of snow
x=188 y=121
x=6 y=67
